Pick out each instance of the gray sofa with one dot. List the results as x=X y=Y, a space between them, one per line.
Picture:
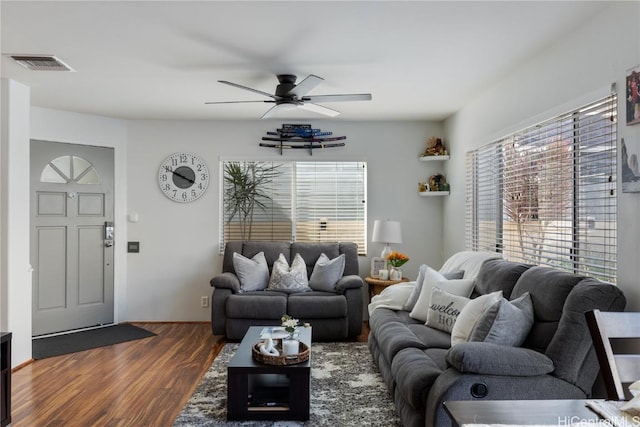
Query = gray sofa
x=333 y=315
x=556 y=361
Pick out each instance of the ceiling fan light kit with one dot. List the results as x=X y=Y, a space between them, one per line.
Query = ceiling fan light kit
x=295 y=136
x=289 y=95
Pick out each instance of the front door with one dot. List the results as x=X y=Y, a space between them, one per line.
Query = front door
x=71 y=247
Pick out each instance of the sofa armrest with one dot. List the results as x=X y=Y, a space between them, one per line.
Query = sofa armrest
x=349 y=282
x=226 y=281
x=492 y=359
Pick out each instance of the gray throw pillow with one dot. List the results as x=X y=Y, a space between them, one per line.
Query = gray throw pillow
x=326 y=273
x=444 y=309
x=253 y=273
x=289 y=279
x=505 y=322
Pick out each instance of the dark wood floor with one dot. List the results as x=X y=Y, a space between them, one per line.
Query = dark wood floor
x=138 y=383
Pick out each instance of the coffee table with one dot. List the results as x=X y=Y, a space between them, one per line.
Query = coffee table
x=257 y=391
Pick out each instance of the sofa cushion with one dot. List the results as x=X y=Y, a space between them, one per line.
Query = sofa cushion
x=499 y=275
x=415 y=372
x=253 y=273
x=493 y=359
x=256 y=305
x=549 y=289
x=289 y=279
x=317 y=304
x=432 y=338
x=395 y=336
x=326 y=273
x=468 y=317
x=444 y=309
x=505 y=322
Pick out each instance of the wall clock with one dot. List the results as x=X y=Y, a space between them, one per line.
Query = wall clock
x=183 y=177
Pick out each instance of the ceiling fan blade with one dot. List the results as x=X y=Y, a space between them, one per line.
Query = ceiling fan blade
x=306 y=85
x=249 y=89
x=233 y=102
x=337 y=98
x=319 y=109
x=273 y=110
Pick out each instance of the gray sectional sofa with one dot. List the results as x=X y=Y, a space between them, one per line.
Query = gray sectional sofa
x=334 y=314
x=556 y=360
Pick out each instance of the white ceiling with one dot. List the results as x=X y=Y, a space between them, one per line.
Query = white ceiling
x=421 y=60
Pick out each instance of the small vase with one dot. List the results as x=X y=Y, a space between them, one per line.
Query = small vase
x=395 y=273
x=290 y=346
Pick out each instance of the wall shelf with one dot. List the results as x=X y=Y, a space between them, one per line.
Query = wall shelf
x=433 y=158
x=433 y=193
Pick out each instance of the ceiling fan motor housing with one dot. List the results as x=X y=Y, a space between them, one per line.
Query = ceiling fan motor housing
x=287 y=83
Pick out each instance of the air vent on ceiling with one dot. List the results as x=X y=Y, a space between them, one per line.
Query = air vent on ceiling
x=41 y=63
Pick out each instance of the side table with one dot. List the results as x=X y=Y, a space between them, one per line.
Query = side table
x=376 y=285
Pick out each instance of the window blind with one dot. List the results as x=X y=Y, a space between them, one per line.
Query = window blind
x=305 y=202
x=546 y=195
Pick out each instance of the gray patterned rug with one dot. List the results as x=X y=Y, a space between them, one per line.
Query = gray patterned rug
x=346 y=390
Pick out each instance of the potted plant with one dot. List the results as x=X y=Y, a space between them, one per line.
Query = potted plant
x=245 y=190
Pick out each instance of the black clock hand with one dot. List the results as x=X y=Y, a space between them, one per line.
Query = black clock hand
x=183 y=177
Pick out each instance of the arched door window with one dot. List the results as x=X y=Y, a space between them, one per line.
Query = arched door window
x=68 y=170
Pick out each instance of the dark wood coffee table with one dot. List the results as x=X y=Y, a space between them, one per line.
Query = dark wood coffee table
x=257 y=391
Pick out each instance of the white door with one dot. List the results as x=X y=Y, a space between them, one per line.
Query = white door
x=71 y=249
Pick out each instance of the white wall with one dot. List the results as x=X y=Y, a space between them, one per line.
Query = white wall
x=15 y=288
x=179 y=242
x=564 y=75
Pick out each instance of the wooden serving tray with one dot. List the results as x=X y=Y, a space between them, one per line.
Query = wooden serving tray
x=281 y=360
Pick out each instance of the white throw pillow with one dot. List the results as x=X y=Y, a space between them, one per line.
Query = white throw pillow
x=253 y=273
x=326 y=273
x=469 y=316
x=432 y=278
x=289 y=279
x=444 y=309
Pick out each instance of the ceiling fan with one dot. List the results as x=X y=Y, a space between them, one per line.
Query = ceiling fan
x=288 y=94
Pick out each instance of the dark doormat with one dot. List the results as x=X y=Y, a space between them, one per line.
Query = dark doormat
x=85 y=340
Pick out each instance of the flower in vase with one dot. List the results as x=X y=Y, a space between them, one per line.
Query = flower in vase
x=289 y=323
x=397 y=259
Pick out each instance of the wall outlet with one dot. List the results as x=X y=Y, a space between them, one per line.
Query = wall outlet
x=204 y=301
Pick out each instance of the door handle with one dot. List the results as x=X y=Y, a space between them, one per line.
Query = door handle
x=108 y=243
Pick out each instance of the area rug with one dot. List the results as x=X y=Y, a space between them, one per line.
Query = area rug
x=85 y=340
x=346 y=390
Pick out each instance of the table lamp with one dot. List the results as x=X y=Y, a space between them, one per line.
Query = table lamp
x=386 y=232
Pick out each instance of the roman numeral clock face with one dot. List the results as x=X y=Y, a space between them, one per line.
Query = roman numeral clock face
x=183 y=177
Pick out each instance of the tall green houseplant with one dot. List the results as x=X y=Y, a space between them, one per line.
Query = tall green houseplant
x=245 y=190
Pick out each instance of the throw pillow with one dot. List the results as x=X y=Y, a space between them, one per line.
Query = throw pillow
x=505 y=322
x=289 y=279
x=253 y=273
x=444 y=309
x=413 y=298
x=432 y=278
x=469 y=316
x=326 y=273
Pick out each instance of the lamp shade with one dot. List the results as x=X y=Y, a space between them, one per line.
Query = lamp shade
x=386 y=231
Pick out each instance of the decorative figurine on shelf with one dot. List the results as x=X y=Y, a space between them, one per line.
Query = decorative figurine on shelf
x=435 y=148
x=438 y=183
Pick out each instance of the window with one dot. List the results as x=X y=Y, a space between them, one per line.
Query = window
x=547 y=195
x=294 y=201
x=69 y=169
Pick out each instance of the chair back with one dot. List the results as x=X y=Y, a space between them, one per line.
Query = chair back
x=616 y=338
